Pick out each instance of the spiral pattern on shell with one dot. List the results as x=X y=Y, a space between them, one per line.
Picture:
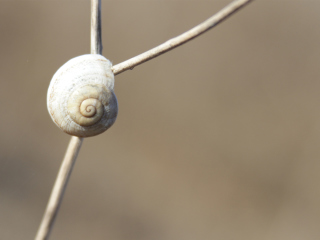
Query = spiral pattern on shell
x=80 y=97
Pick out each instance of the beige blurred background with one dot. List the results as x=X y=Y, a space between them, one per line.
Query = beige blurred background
x=217 y=139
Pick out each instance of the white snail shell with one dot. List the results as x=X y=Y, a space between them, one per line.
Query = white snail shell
x=80 y=97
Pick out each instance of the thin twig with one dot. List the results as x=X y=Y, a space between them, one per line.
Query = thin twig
x=96 y=48
x=181 y=39
x=96 y=43
x=59 y=189
x=73 y=149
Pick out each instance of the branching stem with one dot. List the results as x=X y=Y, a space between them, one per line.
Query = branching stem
x=96 y=48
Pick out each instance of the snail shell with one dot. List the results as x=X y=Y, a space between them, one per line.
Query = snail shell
x=80 y=97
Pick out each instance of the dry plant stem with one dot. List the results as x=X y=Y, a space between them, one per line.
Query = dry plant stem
x=96 y=48
x=181 y=39
x=59 y=188
x=96 y=44
x=73 y=149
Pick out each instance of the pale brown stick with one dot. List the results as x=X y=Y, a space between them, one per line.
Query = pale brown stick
x=96 y=48
x=181 y=39
x=59 y=189
x=73 y=149
x=96 y=44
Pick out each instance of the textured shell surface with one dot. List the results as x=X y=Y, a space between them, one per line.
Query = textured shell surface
x=80 y=98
